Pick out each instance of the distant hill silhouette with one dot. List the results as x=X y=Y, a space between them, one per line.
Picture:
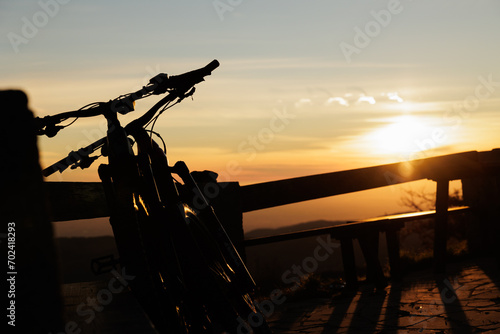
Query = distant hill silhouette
x=265 y=262
x=261 y=232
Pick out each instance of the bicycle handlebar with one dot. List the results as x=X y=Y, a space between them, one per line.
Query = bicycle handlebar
x=161 y=83
x=183 y=81
x=73 y=158
x=177 y=85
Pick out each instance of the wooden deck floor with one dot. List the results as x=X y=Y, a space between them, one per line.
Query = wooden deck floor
x=95 y=308
x=467 y=300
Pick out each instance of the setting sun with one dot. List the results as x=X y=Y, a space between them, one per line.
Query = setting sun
x=400 y=136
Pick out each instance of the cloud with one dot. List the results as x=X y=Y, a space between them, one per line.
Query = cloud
x=368 y=99
x=303 y=102
x=337 y=99
x=395 y=97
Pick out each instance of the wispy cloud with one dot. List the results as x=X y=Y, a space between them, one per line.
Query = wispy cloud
x=367 y=99
x=337 y=100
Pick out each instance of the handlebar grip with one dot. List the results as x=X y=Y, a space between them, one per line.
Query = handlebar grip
x=212 y=66
x=187 y=80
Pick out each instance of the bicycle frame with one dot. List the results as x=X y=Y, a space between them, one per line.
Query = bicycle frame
x=121 y=181
x=145 y=180
x=175 y=247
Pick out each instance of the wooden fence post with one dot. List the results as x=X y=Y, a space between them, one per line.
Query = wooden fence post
x=348 y=261
x=392 y=236
x=369 y=242
x=440 y=226
x=38 y=302
x=482 y=194
x=227 y=207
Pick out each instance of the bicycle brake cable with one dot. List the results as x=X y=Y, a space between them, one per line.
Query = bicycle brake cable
x=76 y=118
x=154 y=119
x=159 y=136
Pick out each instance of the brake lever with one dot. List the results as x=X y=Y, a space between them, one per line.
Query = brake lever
x=52 y=130
x=47 y=126
x=188 y=94
x=85 y=162
x=156 y=83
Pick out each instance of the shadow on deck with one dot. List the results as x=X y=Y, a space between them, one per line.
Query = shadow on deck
x=467 y=300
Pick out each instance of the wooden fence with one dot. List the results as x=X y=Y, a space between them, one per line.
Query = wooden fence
x=87 y=201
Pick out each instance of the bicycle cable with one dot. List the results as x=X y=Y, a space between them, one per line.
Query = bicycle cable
x=76 y=118
x=155 y=118
x=159 y=136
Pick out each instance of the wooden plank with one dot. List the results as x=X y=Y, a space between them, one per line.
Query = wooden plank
x=76 y=200
x=88 y=201
x=92 y=307
x=85 y=200
x=275 y=193
x=354 y=228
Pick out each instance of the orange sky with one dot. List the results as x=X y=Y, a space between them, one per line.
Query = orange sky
x=302 y=88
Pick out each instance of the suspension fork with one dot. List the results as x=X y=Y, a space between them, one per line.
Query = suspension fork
x=161 y=194
x=119 y=180
x=167 y=191
x=208 y=216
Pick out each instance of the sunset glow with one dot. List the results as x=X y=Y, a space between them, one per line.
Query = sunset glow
x=401 y=136
x=301 y=88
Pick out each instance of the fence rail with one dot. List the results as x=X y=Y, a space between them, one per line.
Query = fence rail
x=352 y=228
x=87 y=198
x=448 y=167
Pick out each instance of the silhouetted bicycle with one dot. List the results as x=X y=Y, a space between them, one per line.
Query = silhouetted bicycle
x=189 y=278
